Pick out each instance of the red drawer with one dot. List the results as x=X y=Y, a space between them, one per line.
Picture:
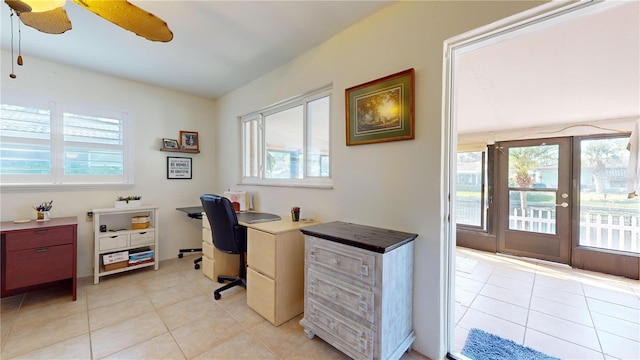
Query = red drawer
x=37 y=238
x=39 y=265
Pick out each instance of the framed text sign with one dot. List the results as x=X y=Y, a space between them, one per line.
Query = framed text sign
x=178 y=168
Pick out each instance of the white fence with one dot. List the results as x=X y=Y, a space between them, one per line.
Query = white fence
x=609 y=231
x=618 y=232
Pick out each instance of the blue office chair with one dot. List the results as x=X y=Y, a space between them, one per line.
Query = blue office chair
x=228 y=237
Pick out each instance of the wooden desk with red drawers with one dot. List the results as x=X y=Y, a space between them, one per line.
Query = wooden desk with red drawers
x=36 y=254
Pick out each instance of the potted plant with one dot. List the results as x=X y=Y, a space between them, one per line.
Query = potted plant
x=128 y=201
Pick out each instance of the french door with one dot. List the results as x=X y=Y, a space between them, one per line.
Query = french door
x=534 y=198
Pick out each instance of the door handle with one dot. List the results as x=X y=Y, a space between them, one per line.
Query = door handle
x=564 y=205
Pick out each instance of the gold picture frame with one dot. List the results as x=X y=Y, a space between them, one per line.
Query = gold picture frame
x=189 y=140
x=381 y=110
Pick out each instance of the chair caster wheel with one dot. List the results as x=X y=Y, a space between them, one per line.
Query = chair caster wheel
x=216 y=296
x=196 y=266
x=180 y=255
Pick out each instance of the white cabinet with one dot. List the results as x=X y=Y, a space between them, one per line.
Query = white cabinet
x=359 y=289
x=118 y=235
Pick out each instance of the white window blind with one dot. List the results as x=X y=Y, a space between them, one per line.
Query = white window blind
x=62 y=144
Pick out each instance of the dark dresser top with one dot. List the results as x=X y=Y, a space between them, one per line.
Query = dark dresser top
x=360 y=236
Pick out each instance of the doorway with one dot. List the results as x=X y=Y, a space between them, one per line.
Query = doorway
x=512 y=27
x=533 y=194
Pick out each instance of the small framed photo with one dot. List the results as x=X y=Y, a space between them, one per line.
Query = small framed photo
x=189 y=140
x=170 y=144
x=178 y=167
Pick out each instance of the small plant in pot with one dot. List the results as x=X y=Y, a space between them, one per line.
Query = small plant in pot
x=124 y=201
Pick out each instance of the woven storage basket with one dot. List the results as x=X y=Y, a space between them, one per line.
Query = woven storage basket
x=140 y=222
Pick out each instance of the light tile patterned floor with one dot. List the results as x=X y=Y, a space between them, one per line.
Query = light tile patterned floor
x=563 y=312
x=146 y=314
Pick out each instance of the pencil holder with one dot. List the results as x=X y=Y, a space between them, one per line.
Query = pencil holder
x=295 y=214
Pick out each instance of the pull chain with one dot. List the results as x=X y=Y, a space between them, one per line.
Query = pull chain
x=12 y=75
x=19 y=44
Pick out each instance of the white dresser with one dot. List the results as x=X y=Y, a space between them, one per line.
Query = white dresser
x=359 y=289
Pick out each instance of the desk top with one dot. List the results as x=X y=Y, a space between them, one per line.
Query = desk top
x=277 y=227
x=244 y=217
x=33 y=224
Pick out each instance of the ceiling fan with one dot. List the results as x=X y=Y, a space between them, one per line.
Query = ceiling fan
x=50 y=17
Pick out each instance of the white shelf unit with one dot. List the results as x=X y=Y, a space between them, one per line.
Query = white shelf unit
x=120 y=236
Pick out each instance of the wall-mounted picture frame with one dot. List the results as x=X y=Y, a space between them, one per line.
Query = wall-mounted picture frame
x=189 y=140
x=170 y=144
x=179 y=167
x=381 y=110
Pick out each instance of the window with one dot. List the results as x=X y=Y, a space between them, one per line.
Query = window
x=288 y=143
x=470 y=197
x=45 y=143
x=608 y=218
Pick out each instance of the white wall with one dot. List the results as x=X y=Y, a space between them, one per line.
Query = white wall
x=156 y=113
x=392 y=185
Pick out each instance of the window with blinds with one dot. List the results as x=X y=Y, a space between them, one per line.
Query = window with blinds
x=62 y=144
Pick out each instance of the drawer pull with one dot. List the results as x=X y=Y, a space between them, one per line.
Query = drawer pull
x=363 y=308
x=114 y=236
x=42 y=250
x=142 y=233
x=39 y=232
x=362 y=345
x=364 y=270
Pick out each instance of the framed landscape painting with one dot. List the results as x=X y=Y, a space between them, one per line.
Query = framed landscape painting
x=381 y=110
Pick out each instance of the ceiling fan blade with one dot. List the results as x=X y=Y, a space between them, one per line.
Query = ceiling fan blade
x=130 y=17
x=53 y=21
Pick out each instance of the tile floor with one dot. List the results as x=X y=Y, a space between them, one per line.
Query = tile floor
x=146 y=314
x=567 y=313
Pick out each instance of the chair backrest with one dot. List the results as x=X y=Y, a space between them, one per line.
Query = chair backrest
x=228 y=236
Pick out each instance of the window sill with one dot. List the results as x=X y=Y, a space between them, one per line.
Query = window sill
x=326 y=184
x=62 y=187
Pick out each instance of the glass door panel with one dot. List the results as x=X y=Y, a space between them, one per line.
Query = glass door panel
x=533 y=190
x=608 y=218
x=539 y=213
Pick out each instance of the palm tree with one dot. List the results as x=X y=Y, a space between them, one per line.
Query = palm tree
x=599 y=154
x=523 y=161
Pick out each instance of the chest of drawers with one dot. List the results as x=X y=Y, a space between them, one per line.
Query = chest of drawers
x=275 y=273
x=359 y=289
x=38 y=253
x=215 y=262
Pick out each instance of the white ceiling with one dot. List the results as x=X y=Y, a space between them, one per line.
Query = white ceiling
x=583 y=70
x=218 y=46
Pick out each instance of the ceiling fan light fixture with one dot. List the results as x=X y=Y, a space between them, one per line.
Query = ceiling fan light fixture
x=44 y=5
